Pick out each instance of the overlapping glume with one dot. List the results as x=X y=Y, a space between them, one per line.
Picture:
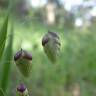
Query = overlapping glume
x=21 y=90
x=51 y=45
x=23 y=61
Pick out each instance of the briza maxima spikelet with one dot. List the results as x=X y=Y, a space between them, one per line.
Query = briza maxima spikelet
x=51 y=45
x=23 y=60
x=21 y=90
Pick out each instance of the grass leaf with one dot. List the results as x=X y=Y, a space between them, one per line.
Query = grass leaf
x=1 y=92
x=7 y=63
x=3 y=35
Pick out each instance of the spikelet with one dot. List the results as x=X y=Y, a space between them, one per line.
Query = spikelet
x=23 y=61
x=21 y=90
x=51 y=45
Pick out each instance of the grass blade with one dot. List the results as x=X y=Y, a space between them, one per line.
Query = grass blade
x=3 y=35
x=7 y=63
x=1 y=92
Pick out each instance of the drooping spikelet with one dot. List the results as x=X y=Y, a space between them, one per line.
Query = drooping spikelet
x=51 y=45
x=21 y=90
x=23 y=61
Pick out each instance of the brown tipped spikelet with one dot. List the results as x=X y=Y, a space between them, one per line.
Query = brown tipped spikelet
x=51 y=45
x=23 y=61
x=21 y=90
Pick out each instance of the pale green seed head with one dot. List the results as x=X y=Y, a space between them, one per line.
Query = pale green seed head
x=21 y=90
x=23 y=61
x=51 y=46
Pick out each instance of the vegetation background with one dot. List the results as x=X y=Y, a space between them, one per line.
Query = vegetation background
x=26 y=24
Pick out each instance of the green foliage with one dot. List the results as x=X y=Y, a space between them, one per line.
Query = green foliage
x=1 y=92
x=3 y=34
x=76 y=63
x=7 y=60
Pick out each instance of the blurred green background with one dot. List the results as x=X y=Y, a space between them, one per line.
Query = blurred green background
x=75 y=21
